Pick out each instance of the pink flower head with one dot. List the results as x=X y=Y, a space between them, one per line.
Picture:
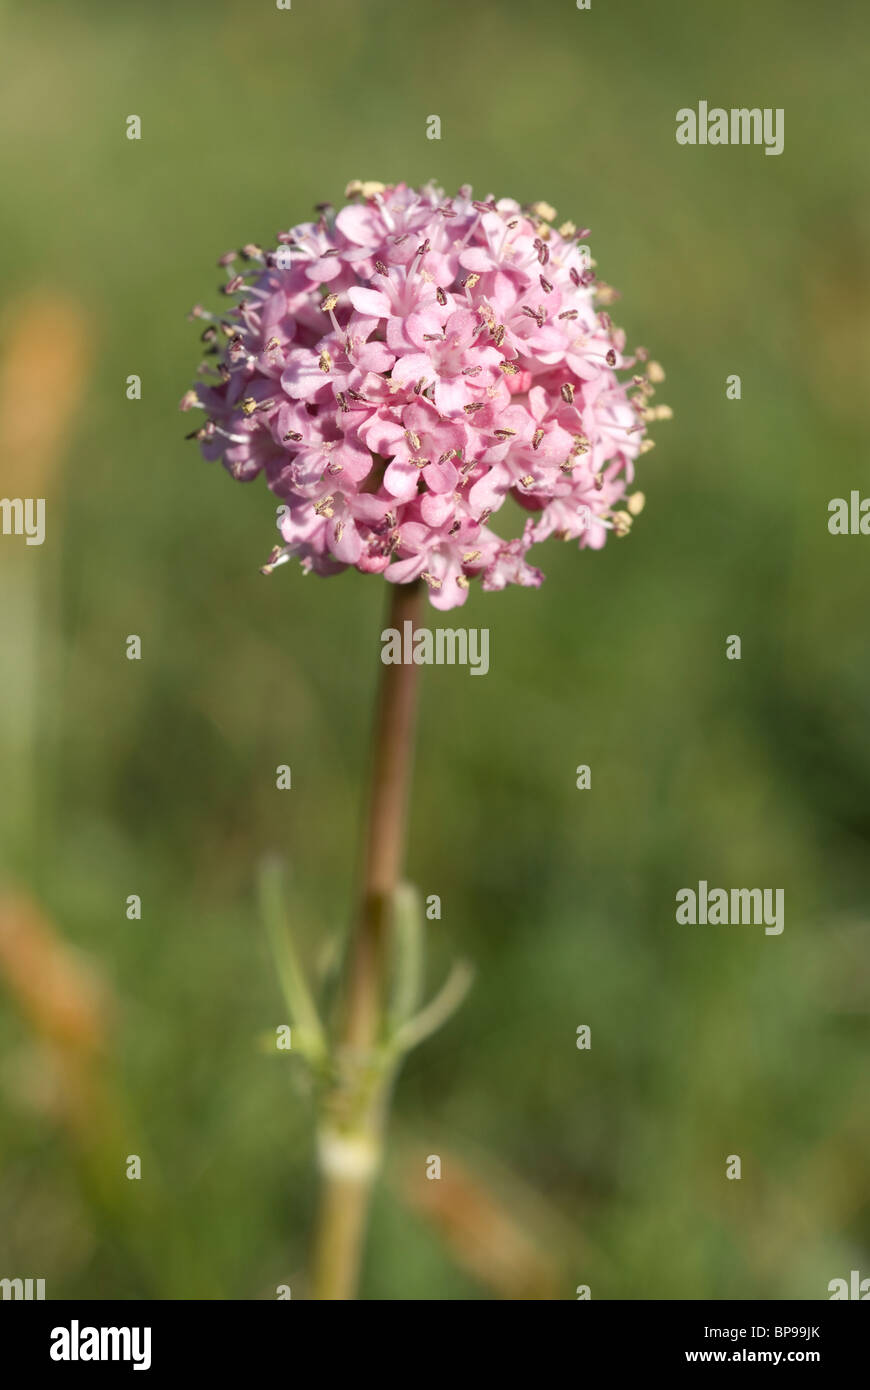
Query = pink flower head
x=400 y=369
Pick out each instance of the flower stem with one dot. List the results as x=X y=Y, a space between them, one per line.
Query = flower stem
x=354 y=1108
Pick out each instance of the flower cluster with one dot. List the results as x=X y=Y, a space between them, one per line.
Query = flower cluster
x=399 y=369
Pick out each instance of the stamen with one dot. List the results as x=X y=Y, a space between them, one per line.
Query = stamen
x=277 y=557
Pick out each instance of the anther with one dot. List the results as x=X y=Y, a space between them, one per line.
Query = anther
x=272 y=560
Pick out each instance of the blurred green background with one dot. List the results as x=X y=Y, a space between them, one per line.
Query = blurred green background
x=157 y=777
